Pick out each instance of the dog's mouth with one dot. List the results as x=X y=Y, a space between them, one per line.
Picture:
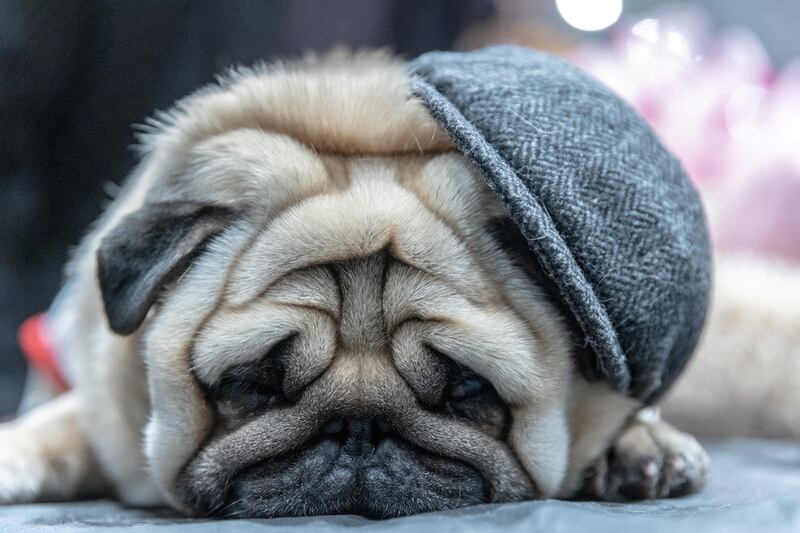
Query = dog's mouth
x=353 y=466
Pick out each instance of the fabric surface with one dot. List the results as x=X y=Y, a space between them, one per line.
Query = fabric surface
x=755 y=486
x=609 y=214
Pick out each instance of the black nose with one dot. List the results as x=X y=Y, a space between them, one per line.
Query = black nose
x=358 y=435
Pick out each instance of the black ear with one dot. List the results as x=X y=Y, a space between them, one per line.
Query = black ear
x=148 y=249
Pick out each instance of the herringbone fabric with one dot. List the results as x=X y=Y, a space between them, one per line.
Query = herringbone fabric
x=608 y=212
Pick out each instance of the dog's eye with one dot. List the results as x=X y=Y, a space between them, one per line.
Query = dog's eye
x=237 y=386
x=253 y=387
x=246 y=392
x=464 y=384
x=467 y=387
x=469 y=397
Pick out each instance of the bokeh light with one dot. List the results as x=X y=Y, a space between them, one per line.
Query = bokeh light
x=590 y=15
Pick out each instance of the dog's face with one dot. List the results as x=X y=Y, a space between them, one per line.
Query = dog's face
x=334 y=333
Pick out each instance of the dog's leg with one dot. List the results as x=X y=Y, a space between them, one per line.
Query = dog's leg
x=44 y=455
x=649 y=459
x=744 y=380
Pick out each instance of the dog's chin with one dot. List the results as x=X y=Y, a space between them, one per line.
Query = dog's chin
x=378 y=479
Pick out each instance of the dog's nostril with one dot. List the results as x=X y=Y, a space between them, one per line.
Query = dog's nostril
x=358 y=435
x=359 y=427
x=361 y=437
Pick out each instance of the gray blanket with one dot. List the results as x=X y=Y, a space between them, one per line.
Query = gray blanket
x=755 y=487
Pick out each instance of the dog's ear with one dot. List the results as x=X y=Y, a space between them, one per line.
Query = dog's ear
x=148 y=249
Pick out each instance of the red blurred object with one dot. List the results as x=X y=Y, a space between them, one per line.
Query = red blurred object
x=35 y=342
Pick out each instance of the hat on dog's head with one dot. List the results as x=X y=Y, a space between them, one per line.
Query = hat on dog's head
x=610 y=215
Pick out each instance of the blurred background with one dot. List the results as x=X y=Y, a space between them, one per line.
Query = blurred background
x=719 y=80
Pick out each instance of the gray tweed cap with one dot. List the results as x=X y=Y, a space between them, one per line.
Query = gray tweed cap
x=610 y=215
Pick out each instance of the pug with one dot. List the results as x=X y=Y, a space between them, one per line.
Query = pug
x=306 y=301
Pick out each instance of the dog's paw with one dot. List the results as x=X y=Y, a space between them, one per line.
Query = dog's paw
x=21 y=474
x=649 y=459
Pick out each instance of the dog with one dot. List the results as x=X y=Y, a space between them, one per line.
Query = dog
x=306 y=301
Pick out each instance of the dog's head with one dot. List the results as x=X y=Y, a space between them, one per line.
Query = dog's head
x=330 y=323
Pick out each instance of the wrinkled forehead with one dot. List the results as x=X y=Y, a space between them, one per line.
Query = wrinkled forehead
x=312 y=208
x=426 y=216
x=419 y=209
x=307 y=208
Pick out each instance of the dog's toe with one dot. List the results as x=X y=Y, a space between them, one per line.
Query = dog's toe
x=650 y=459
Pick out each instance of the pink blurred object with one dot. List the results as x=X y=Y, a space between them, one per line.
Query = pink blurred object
x=720 y=105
